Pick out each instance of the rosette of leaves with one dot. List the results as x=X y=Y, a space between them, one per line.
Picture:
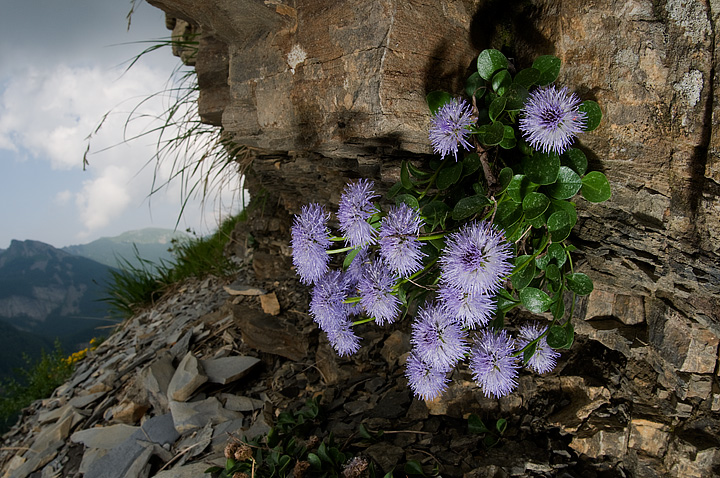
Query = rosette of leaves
x=527 y=193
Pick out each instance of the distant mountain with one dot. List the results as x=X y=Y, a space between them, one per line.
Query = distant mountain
x=152 y=244
x=15 y=344
x=51 y=293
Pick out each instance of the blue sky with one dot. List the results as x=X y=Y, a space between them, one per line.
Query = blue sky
x=62 y=67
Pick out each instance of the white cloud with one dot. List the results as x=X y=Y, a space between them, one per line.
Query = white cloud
x=104 y=197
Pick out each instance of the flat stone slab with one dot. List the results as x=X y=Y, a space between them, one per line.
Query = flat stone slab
x=104 y=437
x=228 y=369
x=191 y=415
x=187 y=378
x=194 y=470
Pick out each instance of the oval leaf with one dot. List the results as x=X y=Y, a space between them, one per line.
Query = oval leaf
x=407 y=199
x=556 y=337
x=468 y=206
x=593 y=114
x=470 y=164
x=497 y=107
x=549 y=67
x=449 y=175
x=489 y=61
x=521 y=278
x=575 y=159
x=535 y=300
x=559 y=226
x=436 y=99
x=507 y=214
x=518 y=187
x=516 y=96
x=501 y=81
x=509 y=140
x=595 y=187
x=494 y=134
x=527 y=77
x=475 y=85
x=568 y=183
x=579 y=283
x=535 y=204
x=504 y=178
x=542 y=168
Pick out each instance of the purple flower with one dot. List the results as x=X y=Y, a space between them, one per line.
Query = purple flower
x=375 y=289
x=469 y=308
x=425 y=381
x=399 y=245
x=492 y=364
x=310 y=240
x=356 y=269
x=354 y=211
x=342 y=338
x=551 y=119
x=545 y=358
x=438 y=340
x=326 y=302
x=476 y=259
x=449 y=128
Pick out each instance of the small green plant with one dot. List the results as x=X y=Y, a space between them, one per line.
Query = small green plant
x=134 y=287
x=36 y=381
x=491 y=436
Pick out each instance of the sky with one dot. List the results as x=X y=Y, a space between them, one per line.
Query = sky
x=63 y=67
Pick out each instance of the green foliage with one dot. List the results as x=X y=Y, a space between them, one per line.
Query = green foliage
x=133 y=287
x=492 y=435
x=35 y=381
x=527 y=193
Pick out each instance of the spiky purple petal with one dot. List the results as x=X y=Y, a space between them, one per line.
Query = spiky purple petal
x=449 y=128
x=425 y=381
x=492 y=364
x=545 y=358
x=354 y=210
x=437 y=339
x=551 y=119
x=399 y=244
x=310 y=240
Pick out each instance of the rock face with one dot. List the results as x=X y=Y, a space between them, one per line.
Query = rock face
x=329 y=90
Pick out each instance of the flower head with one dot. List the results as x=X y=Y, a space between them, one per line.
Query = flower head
x=342 y=338
x=437 y=338
x=426 y=381
x=399 y=245
x=545 y=358
x=476 y=259
x=310 y=240
x=551 y=119
x=492 y=363
x=375 y=289
x=326 y=302
x=354 y=211
x=449 y=128
x=470 y=309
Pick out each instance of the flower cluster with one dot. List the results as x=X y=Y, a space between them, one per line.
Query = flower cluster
x=468 y=240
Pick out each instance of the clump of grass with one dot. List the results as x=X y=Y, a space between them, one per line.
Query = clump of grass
x=35 y=381
x=132 y=288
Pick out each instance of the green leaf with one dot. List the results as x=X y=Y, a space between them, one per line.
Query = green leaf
x=436 y=99
x=405 y=176
x=596 y=187
x=501 y=81
x=509 y=140
x=570 y=334
x=534 y=204
x=475 y=85
x=559 y=226
x=470 y=163
x=349 y=257
x=566 y=206
x=494 y=134
x=516 y=96
x=315 y=461
x=535 y=300
x=542 y=168
x=468 y=206
x=549 y=68
x=558 y=309
x=529 y=352
x=507 y=214
x=575 y=159
x=579 y=283
x=449 y=175
x=435 y=212
x=568 y=183
x=496 y=108
x=413 y=467
x=556 y=337
x=527 y=77
x=518 y=188
x=552 y=272
x=501 y=425
x=476 y=425
x=418 y=173
x=408 y=199
x=593 y=114
x=504 y=178
x=521 y=278
x=489 y=61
